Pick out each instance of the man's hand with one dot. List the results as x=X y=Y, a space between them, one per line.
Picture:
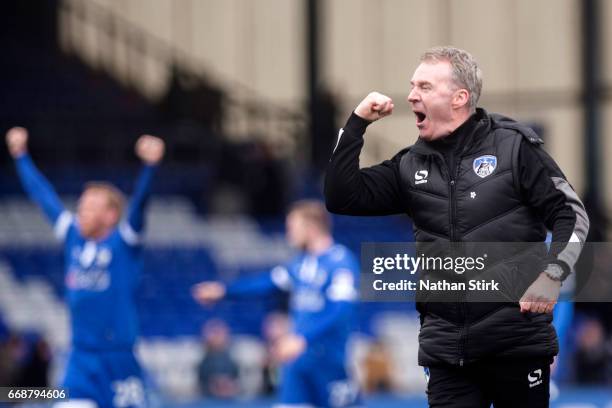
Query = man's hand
x=541 y=296
x=17 y=141
x=150 y=149
x=288 y=347
x=208 y=293
x=374 y=106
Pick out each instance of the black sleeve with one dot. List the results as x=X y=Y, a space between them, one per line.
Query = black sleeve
x=353 y=191
x=545 y=188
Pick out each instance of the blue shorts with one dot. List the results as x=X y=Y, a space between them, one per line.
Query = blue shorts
x=110 y=378
x=317 y=382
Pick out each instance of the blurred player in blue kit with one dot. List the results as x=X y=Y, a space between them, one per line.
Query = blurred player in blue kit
x=321 y=282
x=103 y=253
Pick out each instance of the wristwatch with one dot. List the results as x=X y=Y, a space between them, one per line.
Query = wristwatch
x=556 y=272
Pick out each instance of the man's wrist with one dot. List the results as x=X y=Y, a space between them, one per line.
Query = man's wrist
x=356 y=124
x=555 y=272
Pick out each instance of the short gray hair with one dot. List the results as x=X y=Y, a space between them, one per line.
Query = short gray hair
x=466 y=72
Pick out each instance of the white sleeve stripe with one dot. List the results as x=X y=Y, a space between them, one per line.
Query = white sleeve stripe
x=128 y=234
x=572 y=250
x=280 y=277
x=62 y=224
x=340 y=132
x=581 y=227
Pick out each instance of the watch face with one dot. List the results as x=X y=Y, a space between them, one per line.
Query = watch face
x=554 y=271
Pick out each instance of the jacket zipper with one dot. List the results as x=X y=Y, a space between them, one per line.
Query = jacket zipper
x=451 y=218
x=453 y=237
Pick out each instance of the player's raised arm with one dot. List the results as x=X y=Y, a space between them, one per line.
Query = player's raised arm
x=150 y=150
x=36 y=185
x=260 y=285
x=369 y=191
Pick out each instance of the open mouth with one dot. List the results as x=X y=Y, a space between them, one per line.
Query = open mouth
x=420 y=116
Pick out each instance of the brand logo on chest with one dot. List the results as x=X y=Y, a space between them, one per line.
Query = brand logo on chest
x=420 y=177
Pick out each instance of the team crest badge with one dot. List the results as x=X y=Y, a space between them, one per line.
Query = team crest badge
x=484 y=165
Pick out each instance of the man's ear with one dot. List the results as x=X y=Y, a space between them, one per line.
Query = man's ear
x=461 y=98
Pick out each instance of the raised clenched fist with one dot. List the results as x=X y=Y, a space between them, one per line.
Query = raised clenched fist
x=17 y=141
x=150 y=149
x=374 y=106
